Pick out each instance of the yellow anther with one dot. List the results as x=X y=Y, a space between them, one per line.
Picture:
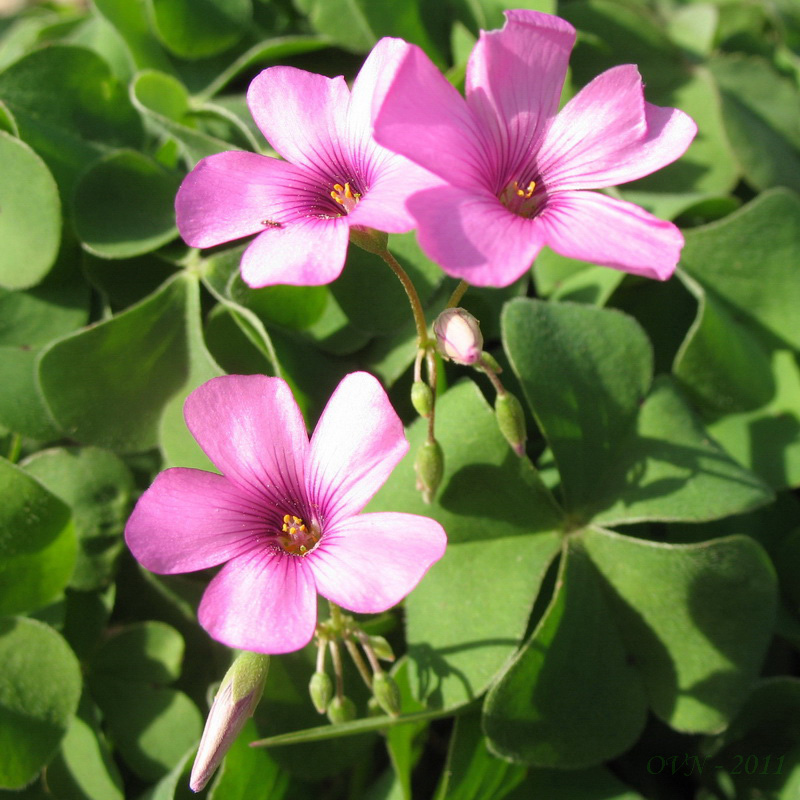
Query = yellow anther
x=296 y=520
x=528 y=193
x=286 y=517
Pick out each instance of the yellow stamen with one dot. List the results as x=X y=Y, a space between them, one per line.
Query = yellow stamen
x=528 y=193
x=345 y=196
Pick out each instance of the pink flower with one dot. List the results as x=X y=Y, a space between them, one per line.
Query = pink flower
x=517 y=172
x=334 y=177
x=284 y=515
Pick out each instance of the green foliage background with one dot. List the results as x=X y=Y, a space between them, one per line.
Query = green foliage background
x=617 y=616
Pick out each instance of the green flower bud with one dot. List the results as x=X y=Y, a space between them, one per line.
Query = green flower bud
x=386 y=693
x=235 y=701
x=320 y=687
x=429 y=466
x=511 y=421
x=381 y=648
x=374 y=708
x=341 y=709
x=422 y=398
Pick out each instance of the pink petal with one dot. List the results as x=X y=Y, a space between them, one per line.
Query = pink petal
x=301 y=113
x=473 y=236
x=596 y=228
x=189 y=520
x=607 y=135
x=383 y=207
x=370 y=562
x=264 y=601
x=228 y=196
x=514 y=81
x=252 y=430
x=419 y=114
x=308 y=252
x=358 y=441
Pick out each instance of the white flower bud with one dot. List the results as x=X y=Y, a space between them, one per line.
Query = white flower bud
x=458 y=336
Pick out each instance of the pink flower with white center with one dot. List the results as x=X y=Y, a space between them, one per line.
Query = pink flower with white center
x=335 y=177
x=283 y=517
x=518 y=171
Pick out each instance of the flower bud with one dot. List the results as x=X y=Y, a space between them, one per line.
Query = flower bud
x=429 y=466
x=386 y=692
x=458 y=336
x=320 y=687
x=341 y=709
x=234 y=703
x=422 y=398
x=381 y=648
x=511 y=421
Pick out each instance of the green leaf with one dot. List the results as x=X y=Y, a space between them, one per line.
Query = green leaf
x=98 y=487
x=22 y=409
x=570 y=698
x=472 y=772
x=199 y=28
x=30 y=223
x=611 y=33
x=130 y=21
x=621 y=458
x=40 y=685
x=108 y=385
x=669 y=469
x=453 y=663
x=84 y=769
x=755 y=438
x=696 y=619
x=749 y=259
x=123 y=205
x=37 y=543
x=601 y=362
x=164 y=101
x=356 y=25
x=758 y=753
x=597 y=783
x=759 y=108
x=151 y=724
x=721 y=365
x=69 y=108
x=274 y=50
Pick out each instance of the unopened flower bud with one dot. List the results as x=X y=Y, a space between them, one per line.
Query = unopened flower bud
x=341 y=709
x=422 y=398
x=458 y=336
x=381 y=648
x=429 y=466
x=511 y=421
x=234 y=703
x=386 y=693
x=320 y=687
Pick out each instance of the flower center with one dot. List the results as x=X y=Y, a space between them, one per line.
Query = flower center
x=296 y=538
x=523 y=202
x=345 y=196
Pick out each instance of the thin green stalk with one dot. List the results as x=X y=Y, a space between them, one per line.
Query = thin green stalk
x=458 y=293
x=413 y=297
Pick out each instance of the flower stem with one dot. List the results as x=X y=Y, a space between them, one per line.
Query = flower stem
x=336 y=658
x=14 y=448
x=358 y=661
x=413 y=297
x=458 y=293
x=492 y=375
